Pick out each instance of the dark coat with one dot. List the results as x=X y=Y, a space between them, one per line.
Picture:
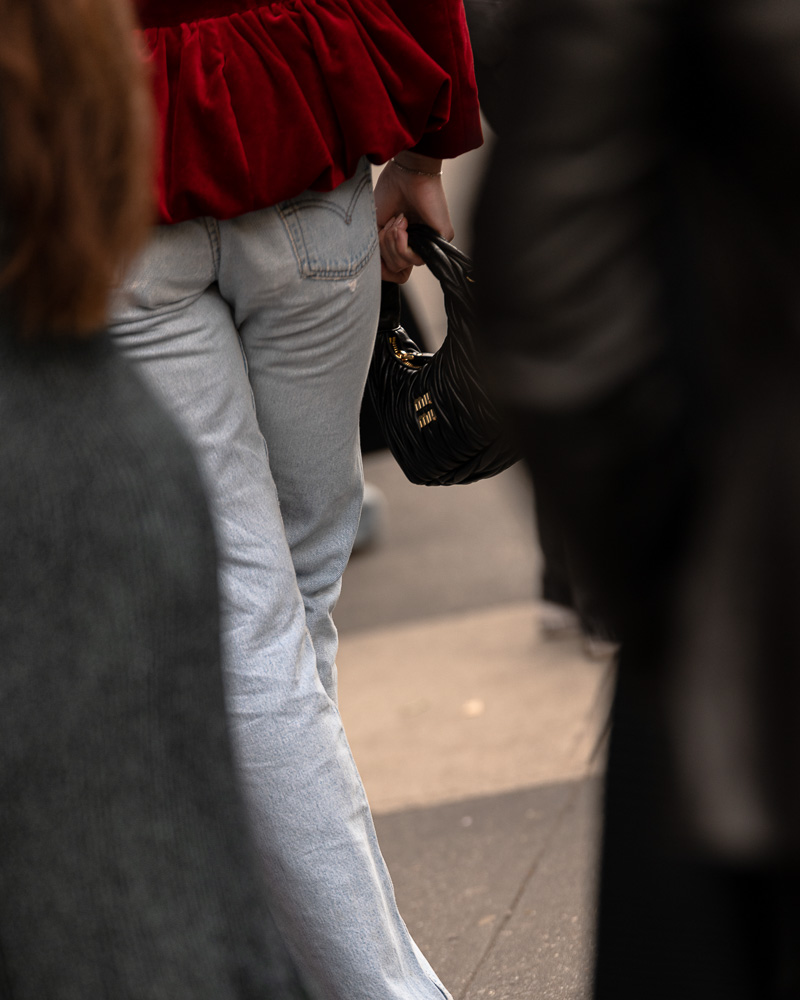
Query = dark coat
x=639 y=249
x=638 y=245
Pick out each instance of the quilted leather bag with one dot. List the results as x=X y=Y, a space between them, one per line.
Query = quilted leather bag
x=435 y=415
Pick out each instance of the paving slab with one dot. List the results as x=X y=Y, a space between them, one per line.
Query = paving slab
x=544 y=948
x=467 y=705
x=442 y=549
x=498 y=890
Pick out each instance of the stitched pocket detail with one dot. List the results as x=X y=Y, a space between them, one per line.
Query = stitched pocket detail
x=333 y=233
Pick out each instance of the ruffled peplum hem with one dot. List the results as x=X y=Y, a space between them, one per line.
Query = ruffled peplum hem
x=259 y=102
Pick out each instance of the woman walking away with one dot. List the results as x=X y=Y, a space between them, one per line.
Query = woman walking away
x=252 y=312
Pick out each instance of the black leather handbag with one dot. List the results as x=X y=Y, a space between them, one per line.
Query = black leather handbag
x=435 y=415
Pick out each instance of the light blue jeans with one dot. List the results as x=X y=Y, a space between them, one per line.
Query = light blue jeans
x=257 y=333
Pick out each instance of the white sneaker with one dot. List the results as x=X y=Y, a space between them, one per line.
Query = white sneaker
x=557 y=621
x=373 y=517
x=599 y=650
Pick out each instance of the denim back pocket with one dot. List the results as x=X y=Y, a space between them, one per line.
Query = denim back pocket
x=333 y=233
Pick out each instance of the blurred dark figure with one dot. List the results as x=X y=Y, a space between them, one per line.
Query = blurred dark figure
x=639 y=246
x=491 y=23
x=125 y=868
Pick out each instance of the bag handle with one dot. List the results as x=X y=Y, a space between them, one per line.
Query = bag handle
x=451 y=267
x=447 y=263
x=434 y=249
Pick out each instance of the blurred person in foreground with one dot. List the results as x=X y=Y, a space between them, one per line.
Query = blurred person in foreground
x=125 y=870
x=638 y=242
x=566 y=608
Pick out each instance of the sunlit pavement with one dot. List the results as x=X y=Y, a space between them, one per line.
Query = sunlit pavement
x=480 y=743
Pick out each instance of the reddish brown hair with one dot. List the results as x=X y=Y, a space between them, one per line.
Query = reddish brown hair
x=75 y=159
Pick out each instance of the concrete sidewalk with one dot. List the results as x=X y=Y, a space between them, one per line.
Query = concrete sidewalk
x=479 y=742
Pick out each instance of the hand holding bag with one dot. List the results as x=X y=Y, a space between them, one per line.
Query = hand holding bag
x=438 y=421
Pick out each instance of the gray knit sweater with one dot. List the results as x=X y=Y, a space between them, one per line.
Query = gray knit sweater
x=125 y=871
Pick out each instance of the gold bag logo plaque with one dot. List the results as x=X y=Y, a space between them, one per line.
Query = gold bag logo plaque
x=424 y=411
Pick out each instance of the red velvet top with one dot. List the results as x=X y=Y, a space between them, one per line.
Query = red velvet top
x=261 y=101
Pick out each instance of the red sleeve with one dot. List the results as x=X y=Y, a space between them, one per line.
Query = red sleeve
x=440 y=27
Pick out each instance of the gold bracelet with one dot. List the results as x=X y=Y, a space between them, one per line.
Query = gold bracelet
x=419 y=173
